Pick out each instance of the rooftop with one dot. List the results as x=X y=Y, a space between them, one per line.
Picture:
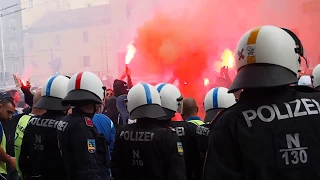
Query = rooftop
x=70 y=19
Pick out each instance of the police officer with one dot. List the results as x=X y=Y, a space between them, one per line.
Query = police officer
x=171 y=102
x=316 y=77
x=144 y=150
x=216 y=100
x=273 y=130
x=84 y=150
x=21 y=126
x=40 y=155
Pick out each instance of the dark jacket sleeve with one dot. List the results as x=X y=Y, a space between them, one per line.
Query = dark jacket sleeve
x=112 y=111
x=117 y=155
x=112 y=138
x=9 y=130
x=24 y=159
x=85 y=162
x=223 y=160
x=173 y=160
x=28 y=96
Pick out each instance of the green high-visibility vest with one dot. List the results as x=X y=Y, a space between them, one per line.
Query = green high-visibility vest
x=196 y=122
x=3 y=168
x=22 y=124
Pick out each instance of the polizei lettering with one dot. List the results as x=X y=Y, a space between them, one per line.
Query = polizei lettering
x=296 y=108
x=203 y=131
x=136 y=136
x=48 y=123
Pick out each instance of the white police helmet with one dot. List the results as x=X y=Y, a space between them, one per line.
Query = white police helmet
x=144 y=102
x=217 y=99
x=305 y=81
x=171 y=98
x=316 y=76
x=84 y=86
x=267 y=56
x=53 y=91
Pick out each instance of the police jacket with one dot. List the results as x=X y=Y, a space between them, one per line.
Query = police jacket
x=145 y=151
x=40 y=154
x=84 y=150
x=201 y=132
x=271 y=134
x=191 y=152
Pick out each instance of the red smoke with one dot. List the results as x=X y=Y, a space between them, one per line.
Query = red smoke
x=174 y=43
x=184 y=37
x=179 y=45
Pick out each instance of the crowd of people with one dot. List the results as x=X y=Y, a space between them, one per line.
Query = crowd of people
x=77 y=129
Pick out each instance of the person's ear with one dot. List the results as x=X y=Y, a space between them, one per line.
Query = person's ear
x=197 y=109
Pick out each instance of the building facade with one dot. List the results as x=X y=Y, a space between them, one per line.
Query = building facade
x=34 y=10
x=11 y=38
x=65 y=42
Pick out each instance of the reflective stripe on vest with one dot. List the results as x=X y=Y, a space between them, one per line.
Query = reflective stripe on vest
x=22 y=124
x=3 y=168
x=196 y=122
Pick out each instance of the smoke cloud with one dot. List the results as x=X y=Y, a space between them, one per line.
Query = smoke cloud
x=187 y=38
x=186 y=35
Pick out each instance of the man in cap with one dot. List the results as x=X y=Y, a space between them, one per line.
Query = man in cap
x=119 y=88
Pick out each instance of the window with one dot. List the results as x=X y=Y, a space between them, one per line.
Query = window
x=57 y=4
x=86 y=61
x=85 y=37
x=15 y=68
x=30 y=3
x=30 y=43
x=12 y=24
x=57 y=40
x=13 y=47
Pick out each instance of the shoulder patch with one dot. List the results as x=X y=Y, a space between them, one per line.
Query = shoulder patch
x=91 y=145
x=180 y=148
x=88 y=122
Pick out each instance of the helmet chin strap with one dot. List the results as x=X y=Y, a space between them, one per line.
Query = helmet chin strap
x=104 y=91
x=307 y=64
x=299 y=48
x=90 y=115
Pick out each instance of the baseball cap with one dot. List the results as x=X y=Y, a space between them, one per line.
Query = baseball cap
x=4 y=95
x=120 y=87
